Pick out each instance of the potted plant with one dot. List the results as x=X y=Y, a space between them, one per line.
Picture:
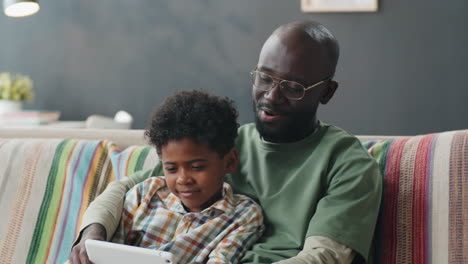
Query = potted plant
x=14 y=89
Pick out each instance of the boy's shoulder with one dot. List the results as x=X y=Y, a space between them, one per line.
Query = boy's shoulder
x=154 y=182
x=154 y=185
x=240 y=203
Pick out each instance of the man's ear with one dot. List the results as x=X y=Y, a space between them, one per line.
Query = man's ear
x=231 y=160
x=329 y=92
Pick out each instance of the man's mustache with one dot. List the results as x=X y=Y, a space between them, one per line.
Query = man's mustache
x=271 y=108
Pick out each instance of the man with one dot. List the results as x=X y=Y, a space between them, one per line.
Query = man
x=318 y=187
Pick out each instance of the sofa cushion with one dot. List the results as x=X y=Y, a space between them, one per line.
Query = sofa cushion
x=45 y=187
x=424 y=205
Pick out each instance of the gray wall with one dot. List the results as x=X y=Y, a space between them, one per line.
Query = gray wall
x=403 y=69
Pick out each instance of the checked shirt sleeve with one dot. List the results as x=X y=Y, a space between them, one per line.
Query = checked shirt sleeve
x=131 y=204
x=245 y=229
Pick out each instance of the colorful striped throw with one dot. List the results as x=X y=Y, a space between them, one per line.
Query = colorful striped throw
x=424 y=212
x=46 y=185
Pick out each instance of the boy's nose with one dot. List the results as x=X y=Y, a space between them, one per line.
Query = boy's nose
x=183 y=178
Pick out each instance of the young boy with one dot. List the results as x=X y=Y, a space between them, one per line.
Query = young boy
x=190 y=211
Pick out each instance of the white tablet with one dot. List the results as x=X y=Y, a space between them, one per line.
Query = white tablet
x=102 y=252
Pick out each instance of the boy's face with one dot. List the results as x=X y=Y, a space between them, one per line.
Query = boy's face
x=194 y=173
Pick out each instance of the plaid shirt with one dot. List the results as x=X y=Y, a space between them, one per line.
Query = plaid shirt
x=153 y=217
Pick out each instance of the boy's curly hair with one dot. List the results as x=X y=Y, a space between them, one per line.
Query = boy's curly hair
x=204 y=118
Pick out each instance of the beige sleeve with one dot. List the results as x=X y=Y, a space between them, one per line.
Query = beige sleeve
x=318 y=249
x=106 y=209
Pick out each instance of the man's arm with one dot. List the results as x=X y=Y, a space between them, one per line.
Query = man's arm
x=346 y=214
x=318 y=250
x=102 y=217
x=348 y=211
x=106 y=209
x=78 y=253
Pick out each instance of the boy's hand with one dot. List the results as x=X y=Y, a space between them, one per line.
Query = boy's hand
x=78 y=254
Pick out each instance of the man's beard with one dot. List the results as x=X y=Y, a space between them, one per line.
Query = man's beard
x=297 y=127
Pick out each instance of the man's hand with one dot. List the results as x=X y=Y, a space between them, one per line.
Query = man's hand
x=78 y=254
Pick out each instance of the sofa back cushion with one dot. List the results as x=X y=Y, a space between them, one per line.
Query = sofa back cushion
x=45 y=187
x=425 y=198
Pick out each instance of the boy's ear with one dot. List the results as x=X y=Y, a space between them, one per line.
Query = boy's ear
x=231 y=160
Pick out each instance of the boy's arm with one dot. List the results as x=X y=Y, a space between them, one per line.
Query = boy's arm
x=132 y=202
x=233 y=246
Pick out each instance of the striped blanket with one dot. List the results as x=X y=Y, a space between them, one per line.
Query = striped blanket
x=424 y=212
x=45 y=188
x=46 y=184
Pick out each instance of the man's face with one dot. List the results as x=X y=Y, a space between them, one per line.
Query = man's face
x=194 y=173
x=291 y=57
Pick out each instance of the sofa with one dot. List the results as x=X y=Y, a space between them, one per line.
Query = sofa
x=49 y=176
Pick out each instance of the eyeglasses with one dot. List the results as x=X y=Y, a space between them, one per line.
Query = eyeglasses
x=290 y=89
